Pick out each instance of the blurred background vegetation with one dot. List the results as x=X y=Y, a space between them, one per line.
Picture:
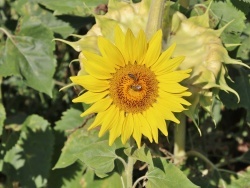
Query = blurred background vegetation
x=36 y=118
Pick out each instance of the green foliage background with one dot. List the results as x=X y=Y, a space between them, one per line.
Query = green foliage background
x=41 y=142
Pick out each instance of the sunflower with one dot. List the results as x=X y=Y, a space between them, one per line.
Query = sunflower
x=132 y=86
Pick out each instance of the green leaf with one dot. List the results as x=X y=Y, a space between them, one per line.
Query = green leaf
x=32 y=9
x=69 y=177
x=71 y=119
x=98 y=156
x=75 y=7
x=243 y=5
x=28 y=158
x=226 y=12
x=33 y=57
x=166 y=175
x=241 y=84
x=242 y=182
x=141 y=154
x=114 y=179
x=74 y=144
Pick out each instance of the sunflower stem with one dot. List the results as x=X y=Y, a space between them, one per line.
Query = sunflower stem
x=179 y=140
x=129 y=168
x=155 y=17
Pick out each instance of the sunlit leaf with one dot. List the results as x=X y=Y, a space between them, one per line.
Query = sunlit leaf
x=166 y=175
x=98 y=156
x=71 y=119
x=74 y=144
x=76 y=7
x=29 y=54
x=32 y=9
x=226 y=12
x=141 y=154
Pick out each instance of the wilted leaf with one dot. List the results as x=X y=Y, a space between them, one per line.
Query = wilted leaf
x=166 y=175
x=29 y=54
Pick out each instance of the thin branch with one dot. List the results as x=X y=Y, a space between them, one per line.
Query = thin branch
x=138 y=180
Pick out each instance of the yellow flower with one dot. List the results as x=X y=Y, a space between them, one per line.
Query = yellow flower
x=133 y=86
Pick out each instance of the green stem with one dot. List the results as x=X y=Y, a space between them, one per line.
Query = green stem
x=129 y=172
x=155 y=17
x=179 y=140
x=138 y=180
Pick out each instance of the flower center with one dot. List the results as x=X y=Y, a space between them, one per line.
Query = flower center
x=134 y=88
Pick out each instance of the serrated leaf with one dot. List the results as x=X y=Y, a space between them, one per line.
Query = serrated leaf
x=231 y=34
x=28 y=159
x=243 y=5
x=242 y=86
x=29 y=54
x=69 y=177
x=166 y=175
x=70 y=119
x=242 y=182
x=98 y=156
x=141 y=154
x=75 y=142
x=32 y=9
x=244 y=49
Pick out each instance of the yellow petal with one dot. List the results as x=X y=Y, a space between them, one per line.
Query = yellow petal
x=137 y=131
x=168 y=66
x=127 y=128
x=153 y=122
x=130 y=44
x=154 y=49
x=176 y=76
x=97 y=69
x=110 y=51
x=94 y=58
x=112 y=115
x=172 y=87
x=120 y=42
x=141 y=47
x=161 y=124
x=98 y=120
x=166 y=113
x=116 y=130
x=173 y=97
x=170 y=103
x=99 y=106
x=90 y=97
x=90 y=83
x=144 y=126
x=164 y=57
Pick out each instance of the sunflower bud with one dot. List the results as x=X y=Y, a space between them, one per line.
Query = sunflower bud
x=205 y=55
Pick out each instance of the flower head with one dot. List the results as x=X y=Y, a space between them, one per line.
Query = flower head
x=132 y=86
